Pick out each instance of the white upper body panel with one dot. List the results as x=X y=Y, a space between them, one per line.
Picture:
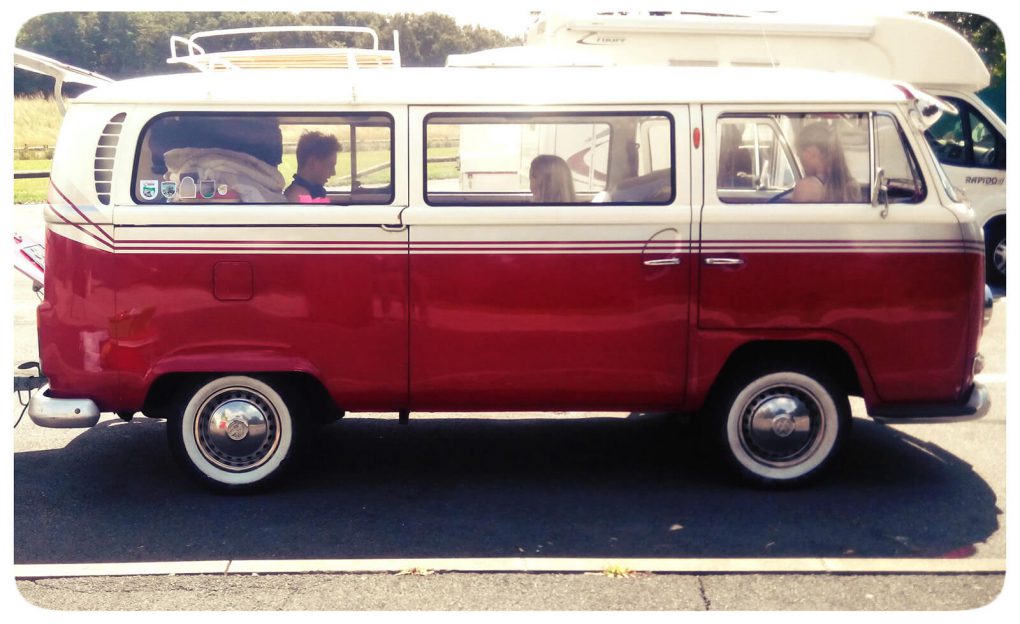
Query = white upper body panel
x=503 y=86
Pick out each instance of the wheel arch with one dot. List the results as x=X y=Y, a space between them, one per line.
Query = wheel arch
x=822 y=355
x=996 y=220
x=159 y=400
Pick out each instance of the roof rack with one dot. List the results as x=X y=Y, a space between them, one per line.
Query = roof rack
x=284 y=58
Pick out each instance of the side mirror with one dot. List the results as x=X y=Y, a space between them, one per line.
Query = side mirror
x=880 y=192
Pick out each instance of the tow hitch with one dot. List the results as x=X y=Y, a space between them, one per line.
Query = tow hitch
x=25 y=384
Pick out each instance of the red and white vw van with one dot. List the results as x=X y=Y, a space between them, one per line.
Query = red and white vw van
x=676 y=275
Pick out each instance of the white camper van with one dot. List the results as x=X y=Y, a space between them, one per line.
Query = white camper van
x=969 y=140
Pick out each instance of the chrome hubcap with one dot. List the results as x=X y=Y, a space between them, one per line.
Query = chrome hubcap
x=781 y=426
x=999 y=258
x=237 y=429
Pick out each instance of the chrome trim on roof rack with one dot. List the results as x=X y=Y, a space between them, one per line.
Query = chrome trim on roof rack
x=284 y=58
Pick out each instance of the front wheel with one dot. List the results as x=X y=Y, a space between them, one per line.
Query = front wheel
x=782 y=426
x=234 y=433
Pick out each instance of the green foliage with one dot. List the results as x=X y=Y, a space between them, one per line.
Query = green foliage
x=128 y=45
x=36 y=122
x=31 y=190
x=449 y=167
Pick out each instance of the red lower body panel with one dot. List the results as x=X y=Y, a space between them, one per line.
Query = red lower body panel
x=340 y=317
x=498 y=331
x=910 y=315
x=74 y=321
x=547 y=332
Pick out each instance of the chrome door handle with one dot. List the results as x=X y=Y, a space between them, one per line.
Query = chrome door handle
x=663 y=262
x=724 y=261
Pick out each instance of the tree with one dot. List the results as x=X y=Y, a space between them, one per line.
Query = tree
x=127 y=45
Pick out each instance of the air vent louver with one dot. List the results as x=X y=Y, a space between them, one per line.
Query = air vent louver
x=105 y=152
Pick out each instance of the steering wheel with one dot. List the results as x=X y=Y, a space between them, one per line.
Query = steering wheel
x=780 y=197
x=952 y=151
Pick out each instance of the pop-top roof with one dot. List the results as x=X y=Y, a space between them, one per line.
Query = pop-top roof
x=898 y=47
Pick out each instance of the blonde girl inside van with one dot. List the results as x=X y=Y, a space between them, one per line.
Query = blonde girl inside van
x=551 y=181
x=826 y=178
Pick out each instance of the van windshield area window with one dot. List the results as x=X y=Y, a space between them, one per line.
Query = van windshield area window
x=553 y=159
x=966 y=139
x=903 y=180
x=812 y=158
x=253 y=158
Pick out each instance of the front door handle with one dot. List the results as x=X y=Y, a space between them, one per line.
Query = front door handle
x=724 y=261
x=663 y=262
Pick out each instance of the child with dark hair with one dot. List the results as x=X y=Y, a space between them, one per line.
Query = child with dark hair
x=316 y=158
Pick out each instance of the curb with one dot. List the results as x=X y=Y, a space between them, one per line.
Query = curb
x=520 y=565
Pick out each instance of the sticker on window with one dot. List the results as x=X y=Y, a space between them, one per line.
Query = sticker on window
x=168 y=188
x=148 y=189
x=187 y=188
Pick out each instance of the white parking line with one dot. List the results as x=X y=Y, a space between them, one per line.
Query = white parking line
x=519 y=565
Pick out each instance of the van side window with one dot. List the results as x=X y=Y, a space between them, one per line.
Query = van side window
x=755 y=162
x=966 y=139
x=575 y=158
x=806 y=158
x=252 y=158
x=904 y=180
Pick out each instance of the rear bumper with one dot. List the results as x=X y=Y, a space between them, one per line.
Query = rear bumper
x=47 y=411
x=977 y=406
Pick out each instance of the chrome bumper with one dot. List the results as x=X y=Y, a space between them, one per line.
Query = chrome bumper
x=977 y=406
x=47 y=411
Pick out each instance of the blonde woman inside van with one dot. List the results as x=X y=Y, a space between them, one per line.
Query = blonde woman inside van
x=827 y=178
x=551 y=181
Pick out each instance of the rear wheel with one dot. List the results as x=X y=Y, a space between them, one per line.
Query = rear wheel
x=781 y=425
x=234 y=433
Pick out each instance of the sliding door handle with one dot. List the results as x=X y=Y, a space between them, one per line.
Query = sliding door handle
x=663 y=262
x=724 y=261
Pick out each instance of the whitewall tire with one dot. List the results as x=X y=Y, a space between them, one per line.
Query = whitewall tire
x=234 y=433
x=783 y=426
